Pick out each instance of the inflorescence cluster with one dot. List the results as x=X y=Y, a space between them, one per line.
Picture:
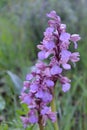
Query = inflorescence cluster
x=38 y=88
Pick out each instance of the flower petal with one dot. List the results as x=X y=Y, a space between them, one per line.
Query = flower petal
x=64 y=36
x=49 y=83
x=66 y=66
x=41 y=55
x=66 y=87
x=56 y=70
x=75 y=37
x=33 y=88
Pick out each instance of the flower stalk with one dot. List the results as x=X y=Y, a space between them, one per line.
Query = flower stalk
x=53 y=108
x=41 y=127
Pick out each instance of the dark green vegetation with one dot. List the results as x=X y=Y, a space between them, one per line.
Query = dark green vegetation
x=22 y=23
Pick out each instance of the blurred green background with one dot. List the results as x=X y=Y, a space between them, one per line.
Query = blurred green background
x=22 y=23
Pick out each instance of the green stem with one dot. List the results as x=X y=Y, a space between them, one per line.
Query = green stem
x=41 y=127
x=53 y=107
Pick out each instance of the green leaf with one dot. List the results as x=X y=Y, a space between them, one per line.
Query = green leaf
x=2 y=103
x=3 y=127
x=17 y=82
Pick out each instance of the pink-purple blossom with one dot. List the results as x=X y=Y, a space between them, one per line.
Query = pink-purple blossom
x=64 y=37
x=37 y=91
x=55 y=70
x=48 y=114
x=66 y=87
x=49 y=83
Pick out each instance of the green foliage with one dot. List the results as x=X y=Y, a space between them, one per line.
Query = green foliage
x=17 y=82
x=3 y=127
x=2 y=103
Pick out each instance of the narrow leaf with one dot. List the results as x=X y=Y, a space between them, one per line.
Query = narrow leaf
x=17 y=82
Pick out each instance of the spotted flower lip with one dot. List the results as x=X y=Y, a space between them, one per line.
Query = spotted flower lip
x=38 y=88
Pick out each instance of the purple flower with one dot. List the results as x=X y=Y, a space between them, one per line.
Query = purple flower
x=65 y=87
x=29 y=76
x=37 y=92
x=49 y=45
x=49 y=31
x=41 y=55
x=54 y=16
x=64 y=79
x=64 y=45
x=25 y=98
x=65 y=56
x=47 y=72
x=41 y=47
x=44 y=96
x=75 y=38
x=40 y=65
x=32 y=117
x=45 y=110
x=55 y=70
x=34 y=88
x=40 y=94
x=66 y=66
x=25 y=121
x=64 y=37
x=47 y=97
x=49 y=83
x=63 y=27
x=75 y=57
x=48 y=114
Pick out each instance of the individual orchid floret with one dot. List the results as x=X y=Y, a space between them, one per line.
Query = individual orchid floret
x=52 y=14
x=48 y=114
x=74 y=38
x=33 y=118
x=64 y=37
x=25 y=121
x=66 y=87
x=75 y=57
x=55 y=19
x=49 y=83
x=55 y=70
x=44 y=96
x=64 y=79
x=28 y=99
x=29 y=76
x=34 y=87
x=63 y=27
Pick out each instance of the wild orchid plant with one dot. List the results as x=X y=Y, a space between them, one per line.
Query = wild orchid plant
x=38 y=91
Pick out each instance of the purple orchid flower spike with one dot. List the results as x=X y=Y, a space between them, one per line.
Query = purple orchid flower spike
x=38 y=88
